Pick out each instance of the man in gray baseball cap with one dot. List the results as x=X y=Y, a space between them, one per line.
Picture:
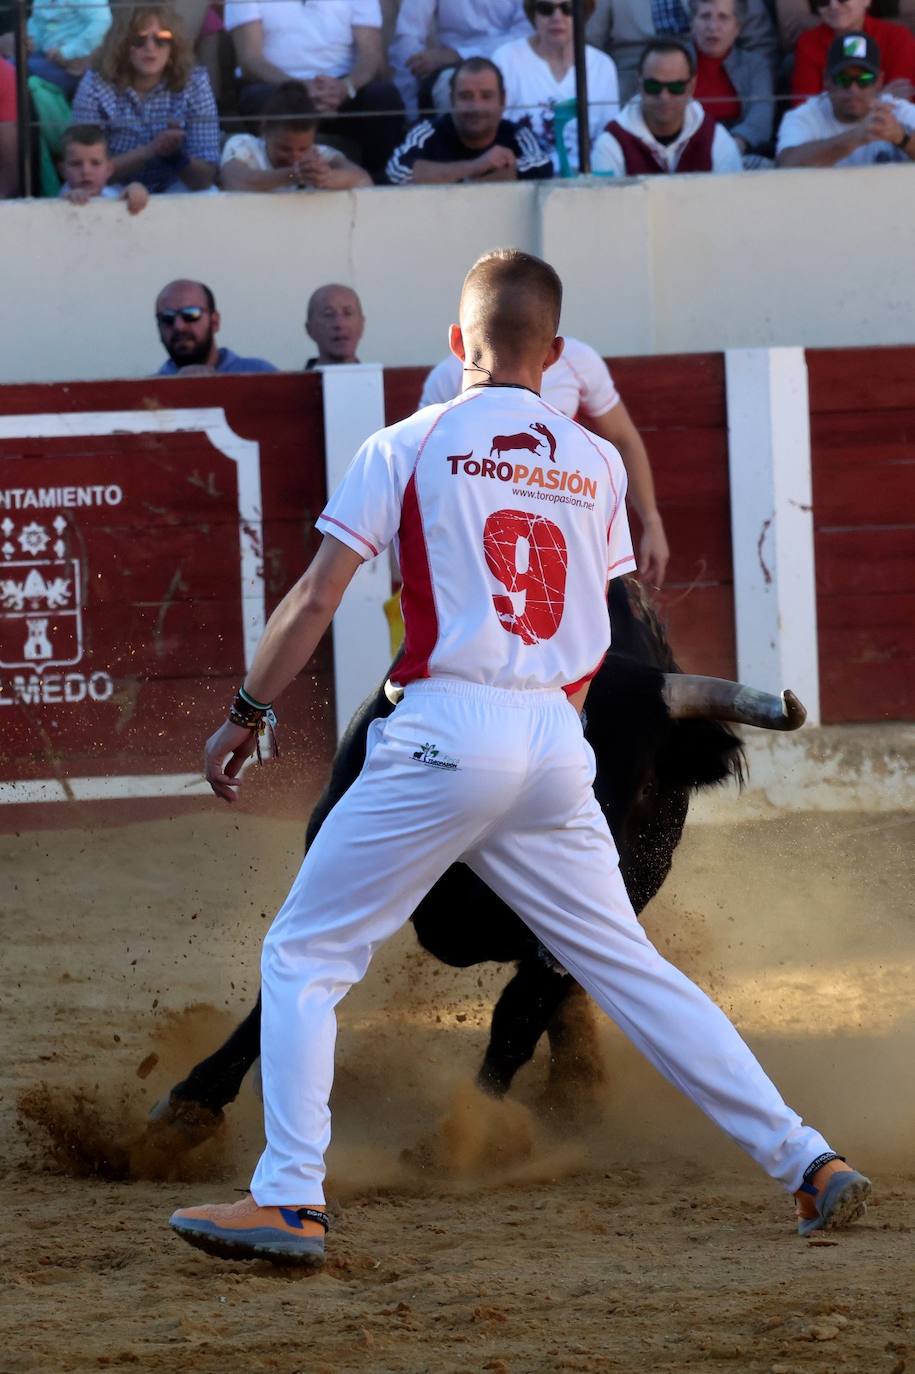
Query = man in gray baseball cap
x=854 y=121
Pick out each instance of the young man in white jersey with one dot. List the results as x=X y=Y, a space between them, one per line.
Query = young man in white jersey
x=579 y=383
x=510 y=519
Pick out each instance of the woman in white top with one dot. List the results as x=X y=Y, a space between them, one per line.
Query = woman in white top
x=539 y=73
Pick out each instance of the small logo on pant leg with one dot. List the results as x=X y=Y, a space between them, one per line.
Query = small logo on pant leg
x=432 y=758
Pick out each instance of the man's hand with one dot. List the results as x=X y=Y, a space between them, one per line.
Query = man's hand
x=235 y=743
x=327 y=92
x=653 y=551
x=880 y=124
x=495 y=159
x=167 y=143
x=428 y=61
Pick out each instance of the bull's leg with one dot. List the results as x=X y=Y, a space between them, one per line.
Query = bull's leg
x=522 y=1014
x=192 y=1111
x=576 y=1064
x=216 y=1080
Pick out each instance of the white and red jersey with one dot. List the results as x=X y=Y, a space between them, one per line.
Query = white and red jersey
x=509 y=520
x=579 y=381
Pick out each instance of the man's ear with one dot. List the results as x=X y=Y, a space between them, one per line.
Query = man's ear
x=216 y=321
x=554 y=352
x=456 y=342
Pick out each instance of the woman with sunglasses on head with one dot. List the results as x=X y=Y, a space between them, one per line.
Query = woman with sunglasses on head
x=539 y=74
x=156 y=106
x=895 y=41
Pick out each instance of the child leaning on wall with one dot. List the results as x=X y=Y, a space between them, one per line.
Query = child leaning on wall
x=286 y=156
x=87 y=168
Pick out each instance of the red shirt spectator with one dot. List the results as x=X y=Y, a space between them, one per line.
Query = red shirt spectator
x=895 y=41
x=715 y=90
x=9 y=167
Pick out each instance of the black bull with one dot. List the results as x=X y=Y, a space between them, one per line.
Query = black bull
x=650 y=756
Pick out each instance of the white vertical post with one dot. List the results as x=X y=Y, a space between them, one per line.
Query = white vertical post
x=772 y=522
x=354 y=409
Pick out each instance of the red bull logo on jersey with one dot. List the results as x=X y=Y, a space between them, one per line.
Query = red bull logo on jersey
x=525 y=443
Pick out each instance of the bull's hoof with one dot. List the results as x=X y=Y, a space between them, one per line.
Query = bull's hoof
x=188 y=1121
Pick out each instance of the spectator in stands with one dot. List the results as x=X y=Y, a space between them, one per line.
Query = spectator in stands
x=539 y=73
x=837 y=17
x=286 y=156
x=188 y=324
x=580 y=383
x=854 y=120
x=335 y=322
x=733 y=84
x=63 y=36
x=156 y=106
x=9 y=155
x=473 y=143
x=334 y=46
x=663 y=129
x=433 y=35
x=623 y=27
x=88 y=169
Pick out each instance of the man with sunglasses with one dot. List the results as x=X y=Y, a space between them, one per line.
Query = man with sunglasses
x=188 y=323
x=663 y=128
x=854 y=121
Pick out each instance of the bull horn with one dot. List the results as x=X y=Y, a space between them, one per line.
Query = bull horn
x=689 y=697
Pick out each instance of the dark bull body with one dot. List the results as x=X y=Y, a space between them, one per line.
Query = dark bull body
x=647 y=765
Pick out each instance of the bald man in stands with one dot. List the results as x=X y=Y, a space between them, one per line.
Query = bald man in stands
x=335 y=322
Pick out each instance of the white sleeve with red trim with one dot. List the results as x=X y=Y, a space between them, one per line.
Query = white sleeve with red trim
x=364 y=511
x=597 y=392
x=620 y=557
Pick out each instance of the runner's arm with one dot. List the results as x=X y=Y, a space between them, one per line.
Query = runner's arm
x=291 y=637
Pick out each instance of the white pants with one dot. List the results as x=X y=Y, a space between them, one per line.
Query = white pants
x=519 y=809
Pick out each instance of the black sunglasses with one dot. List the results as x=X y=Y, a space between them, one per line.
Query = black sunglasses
x=652 y=87
x=547 y=10
x=846 y=80
x=190 y=314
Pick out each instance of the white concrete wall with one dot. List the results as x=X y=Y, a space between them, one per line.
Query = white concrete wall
x=655 y=265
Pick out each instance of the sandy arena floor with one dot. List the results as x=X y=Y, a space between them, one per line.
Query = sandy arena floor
x=641 y=1241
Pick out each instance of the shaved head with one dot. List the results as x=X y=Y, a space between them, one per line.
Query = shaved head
x=332 y=292
x=510 y=306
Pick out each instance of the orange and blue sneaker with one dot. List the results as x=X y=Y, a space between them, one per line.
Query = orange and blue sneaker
x=243 y=1230
x=833 y=1195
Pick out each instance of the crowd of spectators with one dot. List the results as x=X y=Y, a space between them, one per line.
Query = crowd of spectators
x=293 y=95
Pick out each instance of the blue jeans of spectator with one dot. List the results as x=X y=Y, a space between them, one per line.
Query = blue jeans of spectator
x=39 y=65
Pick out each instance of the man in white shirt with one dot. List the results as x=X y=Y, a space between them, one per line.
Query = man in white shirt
x=663 y=129
x=579 y=384
x=334 y=46
x=852 y=122
x=510 y=521
x=432 y=36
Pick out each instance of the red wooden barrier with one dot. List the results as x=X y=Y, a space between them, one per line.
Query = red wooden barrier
x=862 y=404
x=125 y=587
x=127 y=592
